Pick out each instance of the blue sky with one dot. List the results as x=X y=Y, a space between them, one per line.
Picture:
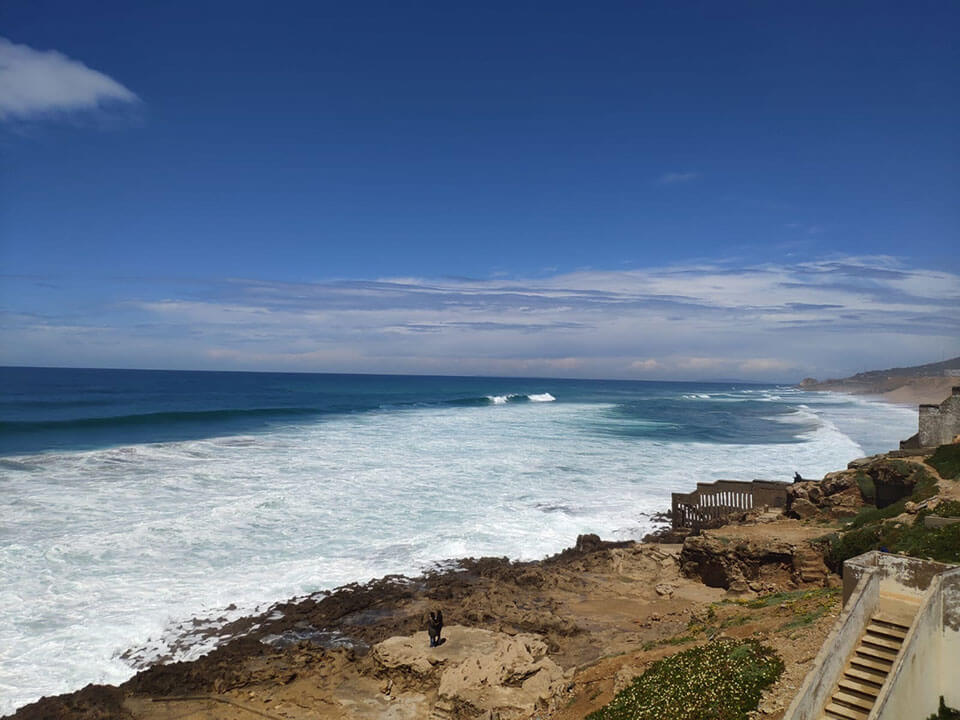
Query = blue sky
x=652 y=190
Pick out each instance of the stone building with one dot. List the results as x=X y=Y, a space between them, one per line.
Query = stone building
x=939 y=424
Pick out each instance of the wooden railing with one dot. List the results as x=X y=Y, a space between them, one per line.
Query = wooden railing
x=717 y=500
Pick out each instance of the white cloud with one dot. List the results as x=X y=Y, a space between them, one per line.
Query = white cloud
x=772 y=322
x=34 y=82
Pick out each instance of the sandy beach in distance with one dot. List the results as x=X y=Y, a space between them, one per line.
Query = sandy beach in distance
x=894 y=389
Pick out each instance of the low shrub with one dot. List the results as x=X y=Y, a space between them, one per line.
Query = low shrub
x=722 y=680
x=941 y=544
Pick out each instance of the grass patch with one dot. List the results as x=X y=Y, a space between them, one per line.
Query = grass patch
x=946 y=460
x=722 y=680
x=807 y=618
x=735 y=621
x=787 y=597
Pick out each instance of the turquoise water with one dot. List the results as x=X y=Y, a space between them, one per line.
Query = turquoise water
x=135 y=501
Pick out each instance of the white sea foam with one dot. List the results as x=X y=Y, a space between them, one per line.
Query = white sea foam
x=541 y=397
x=109 y=550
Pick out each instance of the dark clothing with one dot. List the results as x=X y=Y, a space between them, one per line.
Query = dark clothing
x=434 y=626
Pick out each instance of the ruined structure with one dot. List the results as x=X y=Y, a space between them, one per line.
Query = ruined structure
x=712 y=503
x=939 y=424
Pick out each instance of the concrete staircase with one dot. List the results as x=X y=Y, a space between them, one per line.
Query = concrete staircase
x=867 y=668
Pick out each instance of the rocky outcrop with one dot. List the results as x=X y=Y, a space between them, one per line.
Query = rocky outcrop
x=879 y=480
x=476 y=673
x=838 y=495
x=740 y=565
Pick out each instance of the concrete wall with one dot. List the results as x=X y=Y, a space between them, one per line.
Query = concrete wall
x=906 y=575
x=939 y=424
x=913 y=688
x=830 y=662
x=950 y=643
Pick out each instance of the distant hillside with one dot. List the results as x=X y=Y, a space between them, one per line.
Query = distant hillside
x=928 y=370
x=928 y=383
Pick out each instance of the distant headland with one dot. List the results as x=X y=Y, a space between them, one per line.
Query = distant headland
x=921 y=384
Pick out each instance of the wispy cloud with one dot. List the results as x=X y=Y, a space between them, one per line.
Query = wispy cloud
x=771 y=321
x=35 y=82
x=675 y=178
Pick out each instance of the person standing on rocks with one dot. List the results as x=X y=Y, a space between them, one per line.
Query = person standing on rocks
x=434 y=626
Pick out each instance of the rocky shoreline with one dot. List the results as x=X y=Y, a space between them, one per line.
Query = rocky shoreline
x=542 y=623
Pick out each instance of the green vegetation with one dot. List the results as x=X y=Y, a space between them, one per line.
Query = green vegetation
x=949 y=508
x=789 y=597
x=947 y=461
x=941 y=544
x=868 y=531
x=807 y=618
x=945 y=713
x=925 y=486
x=722 y=680
x=872 y=515
x=867 y=488
x=807 y=606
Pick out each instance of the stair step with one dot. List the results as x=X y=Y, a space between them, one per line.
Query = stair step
x=887 y=630
x=875 y=653
x=842 y=696
x=841 y=711
x=860 y=687
x=881 y=667
x=887 y=620
x=882 y=641
x=858 y=672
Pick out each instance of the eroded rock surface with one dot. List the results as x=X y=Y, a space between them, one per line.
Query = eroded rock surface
x=481 y=672
x=838 y=495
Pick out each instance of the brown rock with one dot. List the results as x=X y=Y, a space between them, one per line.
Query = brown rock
x=803 y=508
x=489 y=672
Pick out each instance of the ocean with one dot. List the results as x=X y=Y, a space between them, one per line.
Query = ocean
x=134 y=501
